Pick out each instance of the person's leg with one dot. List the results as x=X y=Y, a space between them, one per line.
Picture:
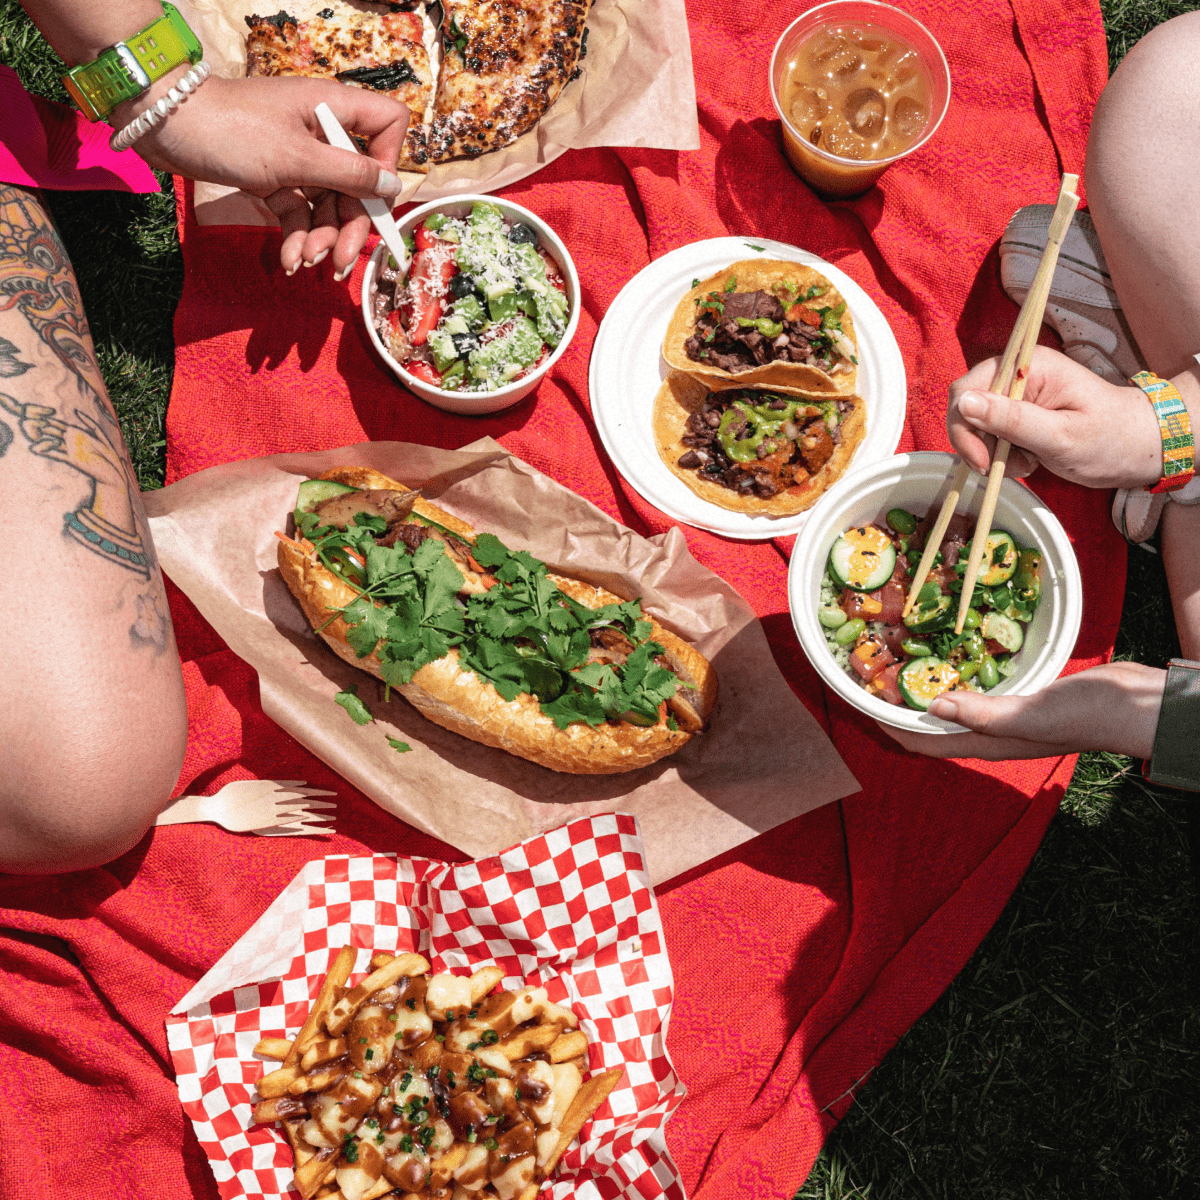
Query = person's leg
x=1143 y=159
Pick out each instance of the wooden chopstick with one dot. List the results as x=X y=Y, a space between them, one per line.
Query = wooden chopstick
x=1001 y=382
x=1035 y=303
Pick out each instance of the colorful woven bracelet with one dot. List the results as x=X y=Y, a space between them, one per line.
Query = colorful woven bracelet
x=1178 y=446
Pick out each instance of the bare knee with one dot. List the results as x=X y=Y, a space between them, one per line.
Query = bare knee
x=80 y=812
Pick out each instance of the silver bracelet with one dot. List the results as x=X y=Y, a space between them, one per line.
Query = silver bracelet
x=158 y=111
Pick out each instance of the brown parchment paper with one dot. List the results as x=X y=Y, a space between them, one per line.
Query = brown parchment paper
x=763 y=760
x=636 y=89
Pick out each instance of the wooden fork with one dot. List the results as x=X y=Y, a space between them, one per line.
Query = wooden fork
x=271 y=807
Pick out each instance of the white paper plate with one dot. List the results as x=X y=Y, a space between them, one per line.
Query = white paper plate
x=627 y=367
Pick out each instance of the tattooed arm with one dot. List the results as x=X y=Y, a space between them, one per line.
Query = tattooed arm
x=93 y=726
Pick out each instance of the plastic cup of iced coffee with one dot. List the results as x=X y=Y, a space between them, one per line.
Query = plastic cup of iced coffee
x=857 y=85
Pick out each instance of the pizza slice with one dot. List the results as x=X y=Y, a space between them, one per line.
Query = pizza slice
x=504 y=64
x=383 y=51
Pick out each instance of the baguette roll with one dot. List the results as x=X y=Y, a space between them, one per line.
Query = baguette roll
x=458 y=699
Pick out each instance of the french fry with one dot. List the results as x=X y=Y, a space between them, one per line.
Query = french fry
x=523 y=1042
x=568 y=1046
x=310 y=1175
x=381 y=960
x=334 y=982
x=323 y=1051
x=555 y=1012
x=278 y=1108
x=381 y=1188
x=300 y=1148
x=276 y=1048
x=589 y=1098
x=483 y=981
x=316 y=1081
x=276 y=1083
x=530 y=1193
x=443 y=1167
x=342 y=1013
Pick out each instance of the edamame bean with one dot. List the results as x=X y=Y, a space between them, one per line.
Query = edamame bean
x=915 y=648
x=967 y=671
x=902 y=521
x=849 y=633
x=973 y=619
x=831 y=616
x=989 y=673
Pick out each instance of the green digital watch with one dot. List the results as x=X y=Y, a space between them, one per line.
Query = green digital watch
x=126 y=70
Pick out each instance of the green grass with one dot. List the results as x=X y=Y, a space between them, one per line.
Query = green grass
x=1063 y=1061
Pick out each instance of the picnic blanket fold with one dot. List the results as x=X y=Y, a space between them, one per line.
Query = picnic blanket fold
x=799 y=958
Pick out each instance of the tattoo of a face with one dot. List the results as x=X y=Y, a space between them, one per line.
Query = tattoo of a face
x=36 y=279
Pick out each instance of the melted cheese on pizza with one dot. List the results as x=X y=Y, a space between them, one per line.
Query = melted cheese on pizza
x=384 y=52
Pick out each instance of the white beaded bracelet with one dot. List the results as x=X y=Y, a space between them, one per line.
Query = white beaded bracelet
x=156 y=112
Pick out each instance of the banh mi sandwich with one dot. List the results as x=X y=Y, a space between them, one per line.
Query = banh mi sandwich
x=427 y=1087
x=485 y=641
x=766 y=324
x=755 y=450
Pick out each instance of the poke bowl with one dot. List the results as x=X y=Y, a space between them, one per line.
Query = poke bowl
x=461 y=341
x=866 y=502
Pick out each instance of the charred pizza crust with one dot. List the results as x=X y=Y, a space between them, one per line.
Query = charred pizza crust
x=504 y=65
x=682 y=395
x=381 y=51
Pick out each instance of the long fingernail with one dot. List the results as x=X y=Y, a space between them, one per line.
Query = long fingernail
x=293 y=268
x=344 y=273
x=319 y=259
x=387 y=184
x=944 y=708
x=972 y=406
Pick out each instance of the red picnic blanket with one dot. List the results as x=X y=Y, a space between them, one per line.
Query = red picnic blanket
x=801 y=957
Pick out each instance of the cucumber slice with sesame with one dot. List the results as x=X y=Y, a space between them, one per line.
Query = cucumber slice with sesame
x=862 y=559
x=999 y=562
x=922 y=680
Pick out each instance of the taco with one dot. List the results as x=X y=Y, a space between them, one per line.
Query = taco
x=766 y=324
x=755 y=450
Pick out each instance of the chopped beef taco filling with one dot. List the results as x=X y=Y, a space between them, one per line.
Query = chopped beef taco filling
x=738 y=331
x=761 y=443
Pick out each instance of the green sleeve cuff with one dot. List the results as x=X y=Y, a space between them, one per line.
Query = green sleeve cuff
x=1175 y=761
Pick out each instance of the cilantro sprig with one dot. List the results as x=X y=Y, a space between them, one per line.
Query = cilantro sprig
x=522 y=635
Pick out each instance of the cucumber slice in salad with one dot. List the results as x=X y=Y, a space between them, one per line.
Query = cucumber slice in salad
x=999 y=562
x=999 y=628
x=922 y=680
x=862 y=559
x=316 y=491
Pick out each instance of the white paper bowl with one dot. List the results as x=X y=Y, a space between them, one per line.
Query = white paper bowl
x=474 y=403
x=918 y=482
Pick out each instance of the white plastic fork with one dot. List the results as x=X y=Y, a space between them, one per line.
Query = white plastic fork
x=271 y=807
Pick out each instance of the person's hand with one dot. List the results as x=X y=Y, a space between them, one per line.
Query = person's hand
x=263 y=136
x=1112 y=707
x=1070 y=421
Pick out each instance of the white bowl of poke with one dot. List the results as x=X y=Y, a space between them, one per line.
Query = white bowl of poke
x=488 y=305
x=849 y=579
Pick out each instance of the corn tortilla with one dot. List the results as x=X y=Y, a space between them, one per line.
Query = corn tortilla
x=681 y=395
x=767 y=275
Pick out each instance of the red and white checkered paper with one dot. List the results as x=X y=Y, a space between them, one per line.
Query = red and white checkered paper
x=571 y=910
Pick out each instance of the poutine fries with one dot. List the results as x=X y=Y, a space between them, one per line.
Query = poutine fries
x=428 y=1087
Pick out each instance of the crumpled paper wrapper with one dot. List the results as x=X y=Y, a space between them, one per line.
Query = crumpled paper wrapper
x=763 y=760
x=569 y=910
x=636 y=89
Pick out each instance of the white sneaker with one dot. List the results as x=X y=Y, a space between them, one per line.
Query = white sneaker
x=1083 y=309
